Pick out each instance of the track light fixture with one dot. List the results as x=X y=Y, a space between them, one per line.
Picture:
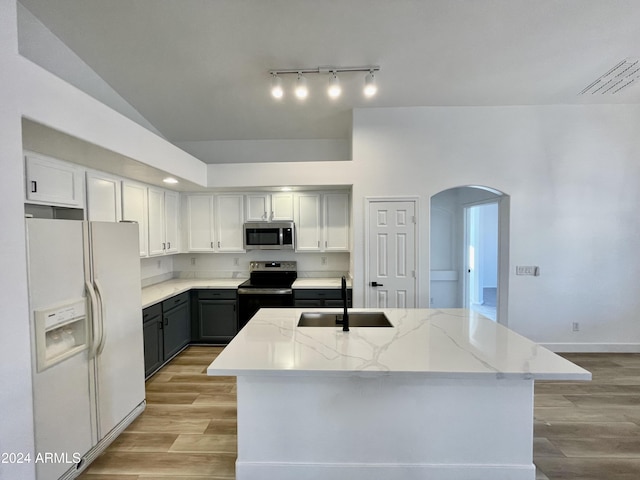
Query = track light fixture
x=276 y=86
x=370 y=87
x=301 y=90
x=334 y=90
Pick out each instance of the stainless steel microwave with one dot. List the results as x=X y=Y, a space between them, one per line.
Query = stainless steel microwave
x=269 y=236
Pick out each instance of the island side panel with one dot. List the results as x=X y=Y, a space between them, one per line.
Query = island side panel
x=384 y=426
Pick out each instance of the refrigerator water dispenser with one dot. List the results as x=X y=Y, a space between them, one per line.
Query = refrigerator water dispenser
x=61 y=332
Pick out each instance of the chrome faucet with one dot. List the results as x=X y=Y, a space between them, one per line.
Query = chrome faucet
x=345 y=315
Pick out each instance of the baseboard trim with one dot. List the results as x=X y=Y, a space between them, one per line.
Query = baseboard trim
x=593 y=347
x=354 y=471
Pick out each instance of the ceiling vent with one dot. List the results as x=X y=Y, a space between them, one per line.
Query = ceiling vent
x=623 y=75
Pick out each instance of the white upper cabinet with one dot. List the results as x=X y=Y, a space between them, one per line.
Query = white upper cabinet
x=135 y=209
x=229 y=222
x=336 y=222
x=199 y=223
x=308 y=222
x=322 y=222
x=258 y=207
x=171 y=212
x=262 y=207
x=104 y=199
x=53 y=182
x=163 y=221
x=282 y=207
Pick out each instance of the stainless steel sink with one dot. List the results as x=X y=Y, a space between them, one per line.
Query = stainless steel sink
x=356 y=319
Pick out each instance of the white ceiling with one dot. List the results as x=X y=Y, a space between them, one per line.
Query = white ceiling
x=198 y=70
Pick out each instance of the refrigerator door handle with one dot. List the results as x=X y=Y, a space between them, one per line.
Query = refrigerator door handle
x=94 y=314
x=103 y=314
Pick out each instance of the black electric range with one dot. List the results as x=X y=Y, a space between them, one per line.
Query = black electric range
x=269 y=286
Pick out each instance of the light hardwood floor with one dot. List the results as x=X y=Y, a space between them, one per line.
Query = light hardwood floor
x=583 y=431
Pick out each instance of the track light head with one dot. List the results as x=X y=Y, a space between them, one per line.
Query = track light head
x=370 y=87
x=301 y=91
x=276 y=87
x=334 y=89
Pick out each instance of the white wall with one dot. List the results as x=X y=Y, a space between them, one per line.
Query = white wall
x=572 y=175
x=16 y=405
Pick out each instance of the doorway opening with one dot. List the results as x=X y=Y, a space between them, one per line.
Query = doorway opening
x=481 y=252
x=469 y=251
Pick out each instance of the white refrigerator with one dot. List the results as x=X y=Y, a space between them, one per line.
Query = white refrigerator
x=87 y=344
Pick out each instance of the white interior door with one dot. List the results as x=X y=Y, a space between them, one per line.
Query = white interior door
x=392 y=255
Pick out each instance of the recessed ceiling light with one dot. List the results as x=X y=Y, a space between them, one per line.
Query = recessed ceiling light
x=170 y=180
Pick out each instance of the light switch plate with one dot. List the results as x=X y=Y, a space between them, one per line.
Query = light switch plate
x=528 y=270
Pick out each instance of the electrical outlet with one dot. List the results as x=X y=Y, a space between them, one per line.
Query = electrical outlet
x=236 y=261
x=159 y=263
x=528 y=270
x=193 y=260
x=323 y=260
x=575 y=327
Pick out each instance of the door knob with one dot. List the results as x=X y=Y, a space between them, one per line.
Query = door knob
x=376 y=284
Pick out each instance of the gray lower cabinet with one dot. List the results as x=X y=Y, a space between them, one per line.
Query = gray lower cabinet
x=216 y=318
x=153 y=342
x=321 y=297
x=176 y=324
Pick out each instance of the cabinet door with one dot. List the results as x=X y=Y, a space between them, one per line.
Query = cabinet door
x=171 y=208
x=258 y=207
x=336 y=222
x=229 y=218
x=134 y=208
x=217 y=320
x=156 y=222
x=282 y=206
x=104 y=201
x=177 y=330
x=307 y=213
x=53 y=182
x=200 y=223
x=153 y=345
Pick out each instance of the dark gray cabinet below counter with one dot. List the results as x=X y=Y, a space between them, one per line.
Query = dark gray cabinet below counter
x=176 y=324
x=215 y=318
x=320 y=297
x=153 y=341
x=166 y=328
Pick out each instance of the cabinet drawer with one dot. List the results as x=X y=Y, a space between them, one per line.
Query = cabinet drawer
x=310 y=294
x=175 y=301
x=152 y=311
x=222 y=294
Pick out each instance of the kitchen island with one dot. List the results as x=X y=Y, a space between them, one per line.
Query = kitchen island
x=442 y=394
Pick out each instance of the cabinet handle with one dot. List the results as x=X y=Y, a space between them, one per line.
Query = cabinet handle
x=211 y=244
x=218 y=244
x=168 y=245
x=164 y=246
x=34 y=186
x=166 y=321
x=318 y=243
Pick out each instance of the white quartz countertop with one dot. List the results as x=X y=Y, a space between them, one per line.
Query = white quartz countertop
x=167 y=289
x=161 y=291
x=448 y=343
x=332 y=282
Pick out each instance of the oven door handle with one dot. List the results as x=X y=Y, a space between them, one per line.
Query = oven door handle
x=265 y=291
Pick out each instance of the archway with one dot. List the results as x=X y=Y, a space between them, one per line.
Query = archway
x=469 y=239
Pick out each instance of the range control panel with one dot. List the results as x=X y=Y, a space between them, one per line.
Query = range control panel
x=278 y=266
